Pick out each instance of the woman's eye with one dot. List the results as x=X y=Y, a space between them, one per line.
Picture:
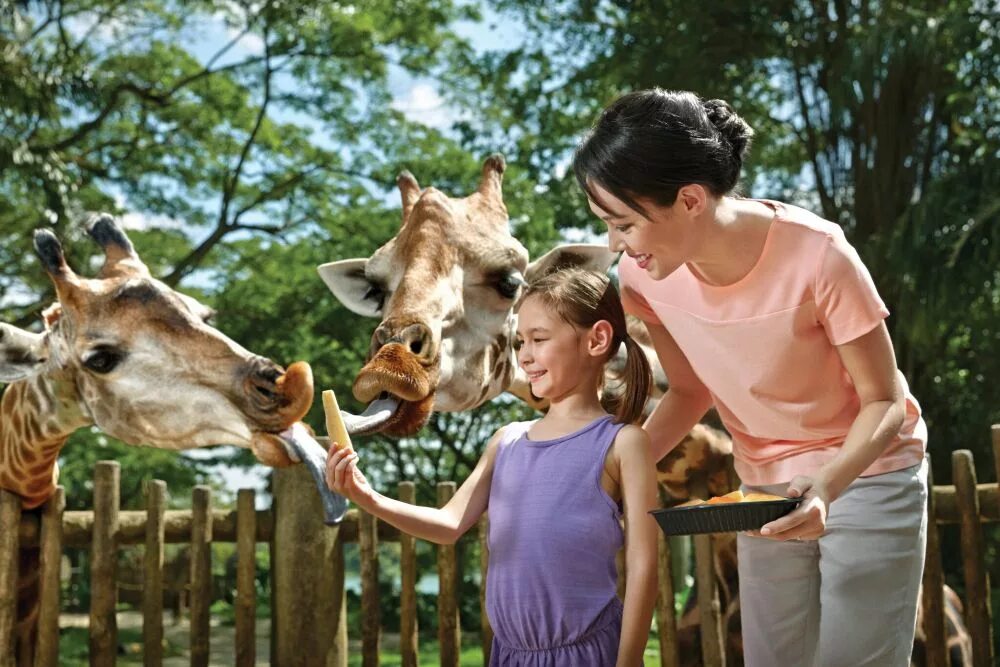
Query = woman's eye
x=623 y=229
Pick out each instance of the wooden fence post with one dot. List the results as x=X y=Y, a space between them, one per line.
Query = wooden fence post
x=51 y=546
x=104 y=565
x=303 y=586
x=932 y=593
x=246 y=570
x=408 y=636
x=449 y=633
x=201 y=574
x=371 y=623
x=977 y=586
x=10 y=520
x=666 y=617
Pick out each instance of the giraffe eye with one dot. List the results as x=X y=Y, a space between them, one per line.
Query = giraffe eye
x=508 y=285
x=376 y=294
x=104 y=360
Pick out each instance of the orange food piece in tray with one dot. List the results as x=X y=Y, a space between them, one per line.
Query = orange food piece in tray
x=734 y=497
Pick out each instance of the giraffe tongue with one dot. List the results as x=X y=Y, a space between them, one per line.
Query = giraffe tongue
x=379 y=412
x=301 y=445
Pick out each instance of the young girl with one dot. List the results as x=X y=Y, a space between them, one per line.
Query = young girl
x=553 y=488
x=765 y=311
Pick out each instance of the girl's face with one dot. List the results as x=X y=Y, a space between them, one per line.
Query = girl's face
x=552 y=352
x=659 y=244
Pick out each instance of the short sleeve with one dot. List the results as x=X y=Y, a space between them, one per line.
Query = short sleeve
x=847 y=302
x=632 y=300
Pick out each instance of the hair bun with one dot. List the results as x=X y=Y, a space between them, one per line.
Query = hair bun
x=733 y=129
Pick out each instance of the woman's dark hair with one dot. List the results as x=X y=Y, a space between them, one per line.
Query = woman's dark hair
x=583 y=298
x=650 y=143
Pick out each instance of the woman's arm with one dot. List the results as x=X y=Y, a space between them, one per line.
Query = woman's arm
x=439 y=525
x=686 y=401
x=639 y=496
x=871 y=363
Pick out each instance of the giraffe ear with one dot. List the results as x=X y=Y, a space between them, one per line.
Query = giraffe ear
x=22 y=353
x=120 y=257
x=577 y=255
x=346 y=279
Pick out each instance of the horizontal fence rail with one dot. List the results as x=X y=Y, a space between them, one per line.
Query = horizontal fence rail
x=315 y=552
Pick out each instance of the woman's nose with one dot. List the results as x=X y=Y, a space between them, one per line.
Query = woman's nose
x=615 y=242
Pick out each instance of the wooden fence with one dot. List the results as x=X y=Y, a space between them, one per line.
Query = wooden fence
x=308 y=601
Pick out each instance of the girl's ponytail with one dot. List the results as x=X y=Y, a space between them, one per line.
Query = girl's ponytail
x=637 y=381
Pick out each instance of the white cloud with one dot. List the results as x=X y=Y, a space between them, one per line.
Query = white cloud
x=422 y=103
x=143 y=221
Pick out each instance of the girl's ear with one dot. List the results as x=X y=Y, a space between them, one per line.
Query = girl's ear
x=599 y=338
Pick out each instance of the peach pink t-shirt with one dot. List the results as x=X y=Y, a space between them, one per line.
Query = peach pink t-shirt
x=765 y=347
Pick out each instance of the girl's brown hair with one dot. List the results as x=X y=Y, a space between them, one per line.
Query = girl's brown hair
x=583 y=298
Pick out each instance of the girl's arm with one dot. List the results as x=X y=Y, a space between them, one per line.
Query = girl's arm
x=871 y=363
x=686 y=401
x=638 y=482
x=439 y=525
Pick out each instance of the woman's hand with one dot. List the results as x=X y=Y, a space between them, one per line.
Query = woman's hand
x=808 y=520
x=343 y=476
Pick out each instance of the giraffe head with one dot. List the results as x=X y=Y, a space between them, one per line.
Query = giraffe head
x=127 y=353
x=444 y=289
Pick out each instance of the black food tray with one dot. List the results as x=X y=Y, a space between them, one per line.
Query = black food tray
x=722 y=517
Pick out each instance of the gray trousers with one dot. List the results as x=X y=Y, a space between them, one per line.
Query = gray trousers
x=848 y=599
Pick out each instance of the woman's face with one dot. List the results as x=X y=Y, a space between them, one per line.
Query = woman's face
x=660 y=243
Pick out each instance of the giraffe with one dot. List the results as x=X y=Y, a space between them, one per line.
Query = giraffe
x=126 y=353
x=444 y=288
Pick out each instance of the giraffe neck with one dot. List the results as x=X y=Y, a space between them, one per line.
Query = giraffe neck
x=37 y=415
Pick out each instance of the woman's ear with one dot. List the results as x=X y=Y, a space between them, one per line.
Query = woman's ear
x=693 y=199
x=599 y=338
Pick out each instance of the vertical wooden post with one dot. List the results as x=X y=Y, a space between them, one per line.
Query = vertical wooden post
x=977 y=588
x=486 y=631
x=201 y=574
x=104 y=565
x=408 y=638
x=666 y=617
x=303 y=586
x=712 y=650
x=152 y=594
x=337 y=657
x=246 y=571
x=449 y=633
x=47 y=644
x=709 y=608
x=10 y=519
x=932 y=592
x=371 y=627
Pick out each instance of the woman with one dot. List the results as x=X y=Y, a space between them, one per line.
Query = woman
x=764 y=311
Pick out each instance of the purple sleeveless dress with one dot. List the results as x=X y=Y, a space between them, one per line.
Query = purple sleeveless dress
x=553 y=535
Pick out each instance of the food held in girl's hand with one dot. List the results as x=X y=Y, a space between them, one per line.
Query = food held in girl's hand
x=334 y=423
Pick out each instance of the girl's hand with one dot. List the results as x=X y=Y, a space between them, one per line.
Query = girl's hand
x=343 y=476
x=808 y=520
